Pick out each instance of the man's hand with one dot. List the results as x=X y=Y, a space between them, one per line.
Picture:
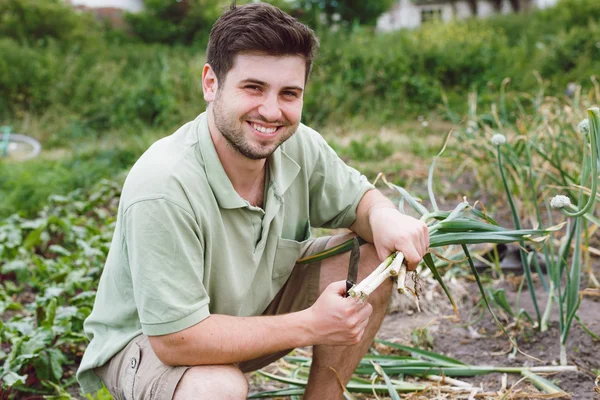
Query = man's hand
x=379 y=222
x=336 y=320
x=394 y=231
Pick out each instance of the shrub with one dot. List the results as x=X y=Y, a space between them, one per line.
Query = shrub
x=169 y=22
x=360 y=76
x=25 y=76
x=33 y=21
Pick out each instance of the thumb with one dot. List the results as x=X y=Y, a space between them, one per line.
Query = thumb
x=338 y=287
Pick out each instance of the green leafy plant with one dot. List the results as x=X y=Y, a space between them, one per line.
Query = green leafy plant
x=44 y=299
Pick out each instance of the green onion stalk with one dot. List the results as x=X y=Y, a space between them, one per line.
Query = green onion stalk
x=439 y=369
x=498 y=140
x=569 y=300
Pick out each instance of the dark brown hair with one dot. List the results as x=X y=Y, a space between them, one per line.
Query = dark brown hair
x=258 y=28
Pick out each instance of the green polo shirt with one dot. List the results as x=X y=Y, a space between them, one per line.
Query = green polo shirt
x=187 y=245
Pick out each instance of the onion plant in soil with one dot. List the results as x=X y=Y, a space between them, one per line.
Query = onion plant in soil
x=551 y=160
x=466 y=225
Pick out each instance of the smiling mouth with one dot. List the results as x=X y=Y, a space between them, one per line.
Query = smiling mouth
x=263 y=129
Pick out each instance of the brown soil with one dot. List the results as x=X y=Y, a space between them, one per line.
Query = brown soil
x=483 y=343
x=476 y=339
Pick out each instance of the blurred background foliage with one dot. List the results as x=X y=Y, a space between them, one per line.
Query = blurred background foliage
x=77 y=83
x=57 y=58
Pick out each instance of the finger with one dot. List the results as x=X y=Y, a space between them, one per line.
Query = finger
x=420 y=242
x=363 y=325
x=412 y=258
x=365 y=312
x=338 y=287
x=423 y=249
x=426 y=236
x=411 y=255
x=356 y=304
x=382 y=253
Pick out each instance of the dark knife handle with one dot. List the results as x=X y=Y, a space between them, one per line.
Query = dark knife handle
x=348 y=287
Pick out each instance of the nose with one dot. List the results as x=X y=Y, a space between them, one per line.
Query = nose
x=269 y=109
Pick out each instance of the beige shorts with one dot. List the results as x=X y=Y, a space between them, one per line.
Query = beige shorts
x=137 y=373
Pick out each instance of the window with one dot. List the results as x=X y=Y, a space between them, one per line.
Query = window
x=431 y=15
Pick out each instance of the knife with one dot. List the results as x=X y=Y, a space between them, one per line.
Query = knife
x=353 y=265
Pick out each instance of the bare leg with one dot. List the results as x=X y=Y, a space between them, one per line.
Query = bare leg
x=323 y=382
x=212 y=382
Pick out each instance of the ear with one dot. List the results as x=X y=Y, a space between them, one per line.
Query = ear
x=209 y=83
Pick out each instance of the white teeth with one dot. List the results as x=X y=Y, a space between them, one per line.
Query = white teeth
x=263 y=129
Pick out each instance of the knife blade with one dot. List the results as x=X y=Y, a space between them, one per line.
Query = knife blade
x=353 y=265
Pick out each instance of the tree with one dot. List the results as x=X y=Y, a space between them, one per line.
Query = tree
x=176 y=21
x=344 y=11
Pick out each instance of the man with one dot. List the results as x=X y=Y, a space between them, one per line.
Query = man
x=201 y=282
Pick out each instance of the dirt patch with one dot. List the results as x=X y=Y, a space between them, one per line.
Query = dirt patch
x=475 y=339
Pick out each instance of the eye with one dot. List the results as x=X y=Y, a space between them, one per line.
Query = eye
x=253 y=88
x=290 y=94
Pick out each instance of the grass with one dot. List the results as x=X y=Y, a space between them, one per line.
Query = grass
x=77 y=164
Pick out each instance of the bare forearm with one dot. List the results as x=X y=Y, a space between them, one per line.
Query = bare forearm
x=223 y=339
x=371 y=200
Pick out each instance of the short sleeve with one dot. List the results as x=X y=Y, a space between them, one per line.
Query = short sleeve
x=335 y=189
x=165 y=253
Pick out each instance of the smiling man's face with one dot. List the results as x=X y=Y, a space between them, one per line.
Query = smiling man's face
x=259 y=105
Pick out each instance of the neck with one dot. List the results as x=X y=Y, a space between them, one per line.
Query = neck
x=246 y=175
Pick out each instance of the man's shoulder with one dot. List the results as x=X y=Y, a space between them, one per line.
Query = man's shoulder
x=166 y=169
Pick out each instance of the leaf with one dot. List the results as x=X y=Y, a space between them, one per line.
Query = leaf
x=484 y=216
x=56 y=249
x=83 y=296
x=24 y=327
x=53 y=291
x=89 y=251
x=485 y=300
x=352 y=386
x=542 y=383
x=440 y=358
x=445 y=239
x=14 y=266
x=278 y=393
x=12 y=378
x=34 y=238
x=411 y=200
x=392 y=391
x=57 y=359
x=430 y=174
x=499 y=297
x=458 y=211
x=431 y=265
x=40 y=340
x=50 y=314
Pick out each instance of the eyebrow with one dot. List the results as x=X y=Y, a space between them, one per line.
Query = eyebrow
x=259 y=82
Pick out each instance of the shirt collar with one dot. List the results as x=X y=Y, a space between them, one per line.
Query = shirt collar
x=283 y=170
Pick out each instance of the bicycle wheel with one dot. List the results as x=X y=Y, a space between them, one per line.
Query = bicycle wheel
x=20 y=148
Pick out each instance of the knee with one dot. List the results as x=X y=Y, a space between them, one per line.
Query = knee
x=225 y=382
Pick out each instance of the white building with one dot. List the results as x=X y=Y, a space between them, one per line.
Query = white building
x=412 y=13
x=127 y=5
